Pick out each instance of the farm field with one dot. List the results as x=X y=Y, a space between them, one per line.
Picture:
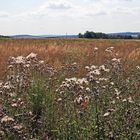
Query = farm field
x=69 y=89
x=58 y=52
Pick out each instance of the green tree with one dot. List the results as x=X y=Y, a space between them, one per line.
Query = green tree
x=80 y=35
x=88 y=34
x=139 y=36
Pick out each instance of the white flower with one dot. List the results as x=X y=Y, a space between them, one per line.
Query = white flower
x=97 y=82
x=2 y=133
x=7 y=85
x=12 y=94
x=83 y=81
x=117 y=92
x=10 y=66
x=74 y=63
x=20 y=60
x=138 y=67
x=59 y=99
x=95 y=49
x=87 y=98
x=102 y=67
x=88 y=89
x=110 y=49
x=103 y=79
x=14 y=105
x=19 y=99
x=93 y=67
x=1 y=84
x=71 y=79
x=116 y=60
x=87 y=67
x=130 y=100
x=124 y=100
x=113 y=102
x=27 y=65
x=106 y=114
x=118 y=97
x=17 y=127
x=96 y=72
x=112 y=83
x=41 y=62
x=78 y=99
x=6 y=119
x=31 y=55
x=111 y=110
x=104 y=87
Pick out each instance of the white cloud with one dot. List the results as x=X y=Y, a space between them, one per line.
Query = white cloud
x=64 y=8
x=4 y=14
x=77 y=9
x=59 y=16
x=74 y=10
x=59 y=6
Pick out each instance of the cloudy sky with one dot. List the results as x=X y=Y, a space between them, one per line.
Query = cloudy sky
x=40 y=17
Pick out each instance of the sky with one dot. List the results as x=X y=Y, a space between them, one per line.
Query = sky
x=44 y=17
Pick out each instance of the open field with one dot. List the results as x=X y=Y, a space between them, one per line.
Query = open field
x=69 y=89
x=58 y=52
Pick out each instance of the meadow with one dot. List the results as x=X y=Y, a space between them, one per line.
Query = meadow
x=58 y=52
x=69 y=89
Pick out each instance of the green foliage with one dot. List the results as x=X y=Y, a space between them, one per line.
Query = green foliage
x=96 y=35
x=4 y=37
x=88 y=34
x=139 y=36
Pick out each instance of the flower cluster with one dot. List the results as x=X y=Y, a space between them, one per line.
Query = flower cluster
x=95 y=72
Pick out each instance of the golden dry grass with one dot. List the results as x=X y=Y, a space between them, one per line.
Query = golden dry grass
x=57 y=52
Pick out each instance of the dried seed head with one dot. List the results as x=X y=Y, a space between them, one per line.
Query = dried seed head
x=106 y=114
x=6 y=119
x=31 y=56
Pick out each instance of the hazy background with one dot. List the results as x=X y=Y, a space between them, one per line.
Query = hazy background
x=72 y=16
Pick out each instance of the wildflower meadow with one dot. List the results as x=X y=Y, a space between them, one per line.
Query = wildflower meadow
x=69 y=89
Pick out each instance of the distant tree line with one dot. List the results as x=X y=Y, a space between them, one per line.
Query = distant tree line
x=100 y=35
x=88 y=34
x=139 y=36
x=2 y=36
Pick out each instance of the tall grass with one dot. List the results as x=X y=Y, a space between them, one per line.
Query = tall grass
x=80 y=99
x=57 y=52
